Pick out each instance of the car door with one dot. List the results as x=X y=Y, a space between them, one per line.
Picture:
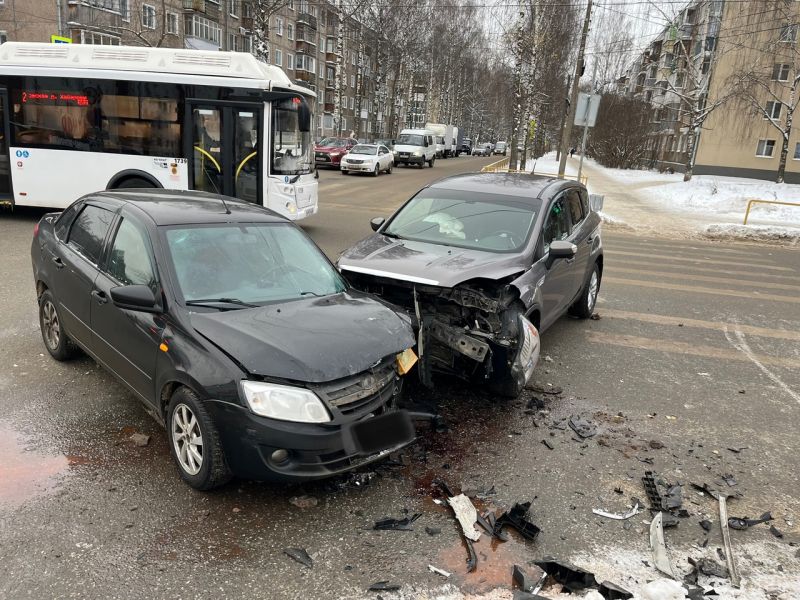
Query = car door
x=559 y=278
x=127 y=340
x=581 y=236
x=385 y=157
x=76 y=261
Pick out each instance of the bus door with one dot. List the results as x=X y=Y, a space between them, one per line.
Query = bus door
x=224 y=151
x=6 y=197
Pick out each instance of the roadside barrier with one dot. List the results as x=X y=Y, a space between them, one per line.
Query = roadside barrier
x=501 y=166
x=755 y=201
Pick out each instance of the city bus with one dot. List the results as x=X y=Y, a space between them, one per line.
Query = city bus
x=79 y=118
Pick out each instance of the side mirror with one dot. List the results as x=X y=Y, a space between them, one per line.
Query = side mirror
x=376 y=223
x=135 y=297
x=596 y=202
x=560 y=249
x=303 y=116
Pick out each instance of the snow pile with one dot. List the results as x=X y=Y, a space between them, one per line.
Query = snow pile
x=755 y=233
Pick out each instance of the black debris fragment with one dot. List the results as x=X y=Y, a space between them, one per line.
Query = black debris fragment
x=706 y=524
x=548 y=444
x=483 y=522
x=520 y=595
x=729 y=479
x=534 y=404
x=574 y=579
x=775 y=531
x=472 y=558
x=740 y=524
x=517 y=518
x=522 y=580
x=300 y=555
x=389 y=523
x=383 y=586
x=710 y=567
x=433 y=530
x=582 y=427
x=737 y=450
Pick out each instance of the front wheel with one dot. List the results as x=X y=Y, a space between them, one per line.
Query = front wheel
x=194 y=442
x=377 y=171
x=389 y=169
x=55 y=339
x=584 y=305
x=343 y=172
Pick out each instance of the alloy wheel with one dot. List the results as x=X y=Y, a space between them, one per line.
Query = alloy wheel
x=187 y=439
x=51 y=327
x=592 y=296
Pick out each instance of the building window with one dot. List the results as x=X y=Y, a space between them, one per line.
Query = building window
x=125 y=9
x=99 y=39
x=289 y=61
x=797 y=151
x=233 y=7
x=304 y=62
x=148 y=16
x=789 y=33
x=773 y=110
x=290 y=31
x=290 y=4
x=352 y=102
x=279 y=25
x=172 y=23
x=200 y=27
x=765 y=148
x=352 y=81
x=279 y=58
x=234 y=44
x=780 y=72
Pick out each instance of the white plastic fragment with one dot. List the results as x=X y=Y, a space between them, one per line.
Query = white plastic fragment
x=438 y=571
x=620 y=517
x=659 y=548
x=466 y=514
x=663 y=589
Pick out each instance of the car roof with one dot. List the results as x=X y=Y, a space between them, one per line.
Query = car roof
x=522 y=185
x=179 y=207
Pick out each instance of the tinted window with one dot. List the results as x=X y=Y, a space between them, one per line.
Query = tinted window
x=89 y=230
x=65 y=220
x=557 y=225
x=496 y=223
x=575 y=206
x=585 y=201
x=129 y=262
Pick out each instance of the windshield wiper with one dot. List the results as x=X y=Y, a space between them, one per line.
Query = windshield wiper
x=207 y=301
x=392 y=235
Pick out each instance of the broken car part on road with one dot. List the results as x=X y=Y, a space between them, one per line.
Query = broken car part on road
x=659 y=547
x=574 y=579
x=620 y=517
x=726 y=539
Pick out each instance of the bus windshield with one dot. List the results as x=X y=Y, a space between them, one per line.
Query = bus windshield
x=292 y=148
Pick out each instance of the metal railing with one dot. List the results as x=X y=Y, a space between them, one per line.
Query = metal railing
x=502 y=166
x=756 y=201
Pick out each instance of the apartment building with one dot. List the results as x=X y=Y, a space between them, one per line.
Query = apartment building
x=700 y=55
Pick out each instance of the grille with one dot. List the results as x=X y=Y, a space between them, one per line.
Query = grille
x=355 y=161
x=127 y=55
x=372 y=387
x=189 y=58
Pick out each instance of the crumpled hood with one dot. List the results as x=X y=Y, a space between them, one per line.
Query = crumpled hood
x=427 y=264
x=310 y=340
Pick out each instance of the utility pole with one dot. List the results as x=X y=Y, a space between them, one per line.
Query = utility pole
x=573 y=97
x=586 y=124
x=518 y=92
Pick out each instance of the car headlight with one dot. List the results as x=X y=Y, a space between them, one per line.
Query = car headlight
x=284 y=402
x=418 y=153
x=395 y=152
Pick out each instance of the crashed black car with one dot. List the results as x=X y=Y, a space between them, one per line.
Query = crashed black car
x=232 y=328
x=483 y=262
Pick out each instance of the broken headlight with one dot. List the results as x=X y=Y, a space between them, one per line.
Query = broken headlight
x=284 y=402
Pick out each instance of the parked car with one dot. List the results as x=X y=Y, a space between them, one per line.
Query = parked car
x=415 y=147
x=482 y=150
x=329 y=151
x=466 y=146
x=389 y=143
x=368 y=158
x=484 y=262
x=232 y=327
x=500 y=148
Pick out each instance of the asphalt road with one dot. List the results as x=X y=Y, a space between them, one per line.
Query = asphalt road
x=692 y=371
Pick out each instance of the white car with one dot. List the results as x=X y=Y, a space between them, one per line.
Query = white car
x=367 y=158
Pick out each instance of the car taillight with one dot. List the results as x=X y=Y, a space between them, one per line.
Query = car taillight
x=36 y=230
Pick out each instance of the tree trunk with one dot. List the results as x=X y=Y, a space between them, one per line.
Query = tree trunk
x=690 y=142
x=518 y=107
x=337 y=83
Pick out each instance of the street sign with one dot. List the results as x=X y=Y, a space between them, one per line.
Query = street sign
x=59 y=39
x=586 y=109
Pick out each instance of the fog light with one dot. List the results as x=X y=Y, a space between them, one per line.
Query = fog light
x=279 y=456
x=291 y=207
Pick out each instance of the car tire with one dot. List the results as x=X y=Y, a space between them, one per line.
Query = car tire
x=134 y=183
x=433 y=160
x=55 y=339
x=187 y=417
x=583 y=307
x=377 y=171
x=389 y=169
x=343 y=172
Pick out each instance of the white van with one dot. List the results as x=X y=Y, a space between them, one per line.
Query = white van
x=415 y=147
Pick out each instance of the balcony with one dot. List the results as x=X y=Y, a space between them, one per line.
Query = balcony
x=330 y=84
x=247 y=23
x=305 y=47
x=308 y=20
x=210 y=9
x=328 y=107
x=306 y=76
x=330 y=57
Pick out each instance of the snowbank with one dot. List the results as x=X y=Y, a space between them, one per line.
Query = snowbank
x=755 y=233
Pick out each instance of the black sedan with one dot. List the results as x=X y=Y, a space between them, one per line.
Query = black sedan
x=231 y=326
x=484 y=262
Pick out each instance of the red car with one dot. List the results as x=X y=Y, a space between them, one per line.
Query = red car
x=329 y=151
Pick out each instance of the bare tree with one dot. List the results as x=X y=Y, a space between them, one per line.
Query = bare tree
x=620 y=136
x=263 y=11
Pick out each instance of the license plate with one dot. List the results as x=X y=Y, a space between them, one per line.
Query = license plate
x=404 y=154
x=382 y=432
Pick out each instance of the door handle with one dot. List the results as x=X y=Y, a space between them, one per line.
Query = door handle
x=589 y=240
x=99 y=296
x=57 y=261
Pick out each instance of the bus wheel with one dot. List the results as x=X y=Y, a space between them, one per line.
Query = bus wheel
x=133 y=183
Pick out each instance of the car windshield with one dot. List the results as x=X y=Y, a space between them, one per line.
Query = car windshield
x=410 y=139
x=491 y=222
x=372 y=150
x=333 y=142
x=501 y=144
x=253 y=263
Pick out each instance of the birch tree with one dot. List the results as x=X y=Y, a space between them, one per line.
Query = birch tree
x=263 y=11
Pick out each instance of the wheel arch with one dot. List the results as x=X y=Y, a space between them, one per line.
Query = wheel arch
x=122 y=176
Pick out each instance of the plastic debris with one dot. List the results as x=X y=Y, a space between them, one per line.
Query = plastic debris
x=548 y=444
x=303 y=501
x=439 y=571
x=706 y=524
x=521 y=579
x=140 y=439
x=300 y=555
x=741 y=524
x=433 y=530
x=582 y=427
x=620 y=517
x=663 y=589
x=710 y=567
x=730 y=479
x=383 y=586
x=775 y=531
x=726 y=538
x=574 y=579
x=466 y=514
x=517 y=518
x=659 y=548
x=388 y=523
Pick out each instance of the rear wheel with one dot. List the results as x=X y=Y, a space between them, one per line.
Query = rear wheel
x=343 y=172
x=584 y=305
x=55 y=339
x=194 y=442
x=433 y=159
x=389 y=169
x=376 y=171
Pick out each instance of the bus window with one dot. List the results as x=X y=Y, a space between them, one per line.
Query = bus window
x=207 y=133
x=291 y=139
x=246 y=154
